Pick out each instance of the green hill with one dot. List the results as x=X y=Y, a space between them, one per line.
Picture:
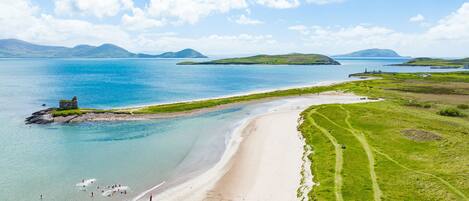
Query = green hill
x=372 y=53
x=433 y=62
x=288 y=59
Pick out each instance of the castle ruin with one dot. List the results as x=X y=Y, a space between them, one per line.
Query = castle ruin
x=69 y=104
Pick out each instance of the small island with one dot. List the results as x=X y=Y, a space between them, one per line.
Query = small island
x=287 y=59
x=372 y=53
x=437 y=63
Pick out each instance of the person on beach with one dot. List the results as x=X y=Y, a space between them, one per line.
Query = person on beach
x=151 y=197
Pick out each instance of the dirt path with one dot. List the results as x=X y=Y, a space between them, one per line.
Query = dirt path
x=361 y=138
x=369 y=153
x=338 y=181
x=369 y=150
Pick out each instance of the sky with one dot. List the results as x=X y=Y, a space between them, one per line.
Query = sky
x=434 y=28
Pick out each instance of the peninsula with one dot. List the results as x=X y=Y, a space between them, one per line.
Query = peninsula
x=287 y=59
x=14 y=48
x=437 y=63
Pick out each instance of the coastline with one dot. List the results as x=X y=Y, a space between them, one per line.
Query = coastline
x=250 y=155
x=316 y=84
x=131 y=113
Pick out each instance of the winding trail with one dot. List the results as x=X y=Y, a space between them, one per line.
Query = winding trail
x=454 y=189
x=369 y=151
x=377 y=193
x=338 y=181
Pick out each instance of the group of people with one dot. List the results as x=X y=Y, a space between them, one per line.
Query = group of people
x=108 y=191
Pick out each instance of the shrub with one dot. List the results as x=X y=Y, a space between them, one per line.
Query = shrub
x=463 y=106
x=64 y=113
x=413 y=103
x=450 y=112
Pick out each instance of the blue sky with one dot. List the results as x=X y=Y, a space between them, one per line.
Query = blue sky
x=236 y=27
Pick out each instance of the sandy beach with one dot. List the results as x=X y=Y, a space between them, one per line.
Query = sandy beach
x=268 y=163
x=263 y=160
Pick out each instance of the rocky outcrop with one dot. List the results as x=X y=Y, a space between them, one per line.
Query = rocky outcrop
x=41 y=117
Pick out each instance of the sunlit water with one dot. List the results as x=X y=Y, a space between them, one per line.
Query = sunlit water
x=51 y=159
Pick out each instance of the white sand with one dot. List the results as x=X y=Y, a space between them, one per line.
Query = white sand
x=263 y=160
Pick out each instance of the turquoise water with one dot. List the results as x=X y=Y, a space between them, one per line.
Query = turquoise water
x=50 y=159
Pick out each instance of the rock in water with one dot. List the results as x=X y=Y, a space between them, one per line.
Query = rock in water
x=40 y=117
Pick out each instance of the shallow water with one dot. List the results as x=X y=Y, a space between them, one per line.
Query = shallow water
x=51 y=159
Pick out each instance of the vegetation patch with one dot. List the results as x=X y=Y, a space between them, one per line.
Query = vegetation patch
x=413 y=103
x=420 y=135
x=64 y=113
x=451 y=112
x=427 y=90
x=463 y=106
x=424 y=61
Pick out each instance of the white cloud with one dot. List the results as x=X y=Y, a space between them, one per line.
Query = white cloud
x=20 y=19
x=214 y=44
x=247 y=21
x=139 y=21
x=454 y=27
x=417 y=18
x=323 y=2
x=449 y=37
x=300 y=28
x=190 y=11
x=280 y=4
x=100 y=9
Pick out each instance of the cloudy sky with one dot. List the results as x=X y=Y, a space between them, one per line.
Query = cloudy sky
x=238 y=27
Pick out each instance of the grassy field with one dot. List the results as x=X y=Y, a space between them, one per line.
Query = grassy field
x=287 y=59
x=459 y=63
x=397 y=149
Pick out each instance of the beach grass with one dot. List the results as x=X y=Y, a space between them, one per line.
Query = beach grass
x=194 y=105
x=417 y=154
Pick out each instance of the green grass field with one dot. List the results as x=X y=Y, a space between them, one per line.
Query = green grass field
x=392 y=150
x=458 y=63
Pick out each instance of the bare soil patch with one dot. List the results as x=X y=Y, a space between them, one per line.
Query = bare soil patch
x=420 y=135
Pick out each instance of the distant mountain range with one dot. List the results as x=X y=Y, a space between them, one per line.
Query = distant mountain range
x=13 y=48
x=372 y=53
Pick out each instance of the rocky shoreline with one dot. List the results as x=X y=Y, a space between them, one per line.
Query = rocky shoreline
x=41 y=117
x=46 y=116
